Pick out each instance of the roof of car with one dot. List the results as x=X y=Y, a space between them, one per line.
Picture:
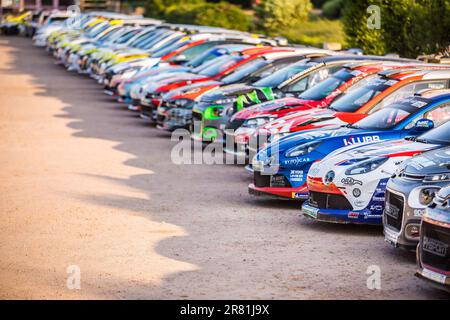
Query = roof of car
x=142 y=22
x=287 y=53
x=419 y=71
x=434 y=93
x=355 y=58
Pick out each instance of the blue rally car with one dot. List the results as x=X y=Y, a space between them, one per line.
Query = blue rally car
x=280 y=169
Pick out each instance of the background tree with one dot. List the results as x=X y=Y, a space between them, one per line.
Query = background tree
x=408 y=27
x=357 y=33
x=275 y=14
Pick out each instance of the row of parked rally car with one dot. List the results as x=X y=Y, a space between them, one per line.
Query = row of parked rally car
x=359 y=139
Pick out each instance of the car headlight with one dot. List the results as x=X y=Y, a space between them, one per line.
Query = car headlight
x=212 y=113
x=426 y=195
x=366 y=166
x=437 y=177
x=256 y=122
x=182 y=103
x=302 y=149
x=225 y=101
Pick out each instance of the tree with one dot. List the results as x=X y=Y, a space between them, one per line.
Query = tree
x=159 y=8
x=356 y=30
x=408 y=27
x=275 y=14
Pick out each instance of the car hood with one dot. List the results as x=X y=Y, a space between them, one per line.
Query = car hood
x=191 y=90
x=302 y=118
x=391 y=149
x=436 y=161
x=226 y=91
x=269 y=106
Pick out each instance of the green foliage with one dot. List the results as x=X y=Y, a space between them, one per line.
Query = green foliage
x=199 y=12
x=315 y=32
x=332 y=9
x=275 y=14
x=355 y=27
x=159 y=8
x=222 y=14
x=408 y=27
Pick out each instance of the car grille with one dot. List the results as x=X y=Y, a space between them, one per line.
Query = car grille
x=146 y=110
x=260 y=180
x=234 y=124
x=393 y=211
x=180 y=115
x=160 y=119
x=276 y=181
x=197 y=116
x=329 y=201
x=435 y=242
x=136 y=102
x=280 y=181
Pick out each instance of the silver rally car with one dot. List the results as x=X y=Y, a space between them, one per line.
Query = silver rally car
x=433 y=252
x=409 y=192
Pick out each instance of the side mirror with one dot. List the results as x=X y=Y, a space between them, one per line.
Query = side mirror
x=423 y=125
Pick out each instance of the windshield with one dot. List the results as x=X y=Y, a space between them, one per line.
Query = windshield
x=204 y=57
x=220 y=64
x=389 y=117
x=355 y=99
x=282 y=75
x=145 y=38
x=109 y=34
x=100 y=29
x=244 y=70
x=126 y=36
x=323 y=89
x=168 y=47
x=439 y=135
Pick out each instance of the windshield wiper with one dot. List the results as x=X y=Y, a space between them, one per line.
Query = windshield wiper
x=352 y=126
x=332 y=108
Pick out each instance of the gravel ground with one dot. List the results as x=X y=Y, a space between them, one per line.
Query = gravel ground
x=87 y=183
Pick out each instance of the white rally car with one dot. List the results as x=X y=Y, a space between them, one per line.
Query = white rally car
x=348 y=186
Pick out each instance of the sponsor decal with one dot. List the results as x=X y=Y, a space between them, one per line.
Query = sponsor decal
x=298 y=195
x=294 y=162
x=356 y=192
x=376 y=207
x=360 y=203
x=434 y=276
x=277 y=181
x=296 y=175
x=310 y=211
x=369 y=215
x=391 y=237
x=351 y=181
x=418 y=212
x=366 y=139
x=391 y=210
x=434 y=246
x=353 y=215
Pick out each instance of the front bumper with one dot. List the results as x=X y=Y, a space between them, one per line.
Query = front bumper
x=397 y=232
x=340 y=216
x=208 y=130
x=148 y=112
x=298 y=193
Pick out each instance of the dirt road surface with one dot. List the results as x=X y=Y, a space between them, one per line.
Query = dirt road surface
x=86 y=183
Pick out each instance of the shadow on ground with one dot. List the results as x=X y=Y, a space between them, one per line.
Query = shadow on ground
x=244 y=247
